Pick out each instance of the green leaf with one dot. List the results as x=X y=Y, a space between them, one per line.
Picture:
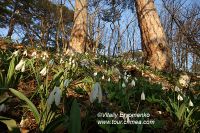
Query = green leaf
x=11 y=124
x=4 y=99
x=180 y=111
x=11 y=71
x=59 y=122
x=173 y=105
x=75 y=118
x=1 y=79
x=28 y=102
x=187 y=120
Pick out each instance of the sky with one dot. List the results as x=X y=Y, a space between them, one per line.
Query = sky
x=127 y=16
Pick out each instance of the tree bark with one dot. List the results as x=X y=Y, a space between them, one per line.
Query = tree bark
x=78 y=40
x=154 y=43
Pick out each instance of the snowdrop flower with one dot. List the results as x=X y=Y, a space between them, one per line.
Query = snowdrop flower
x=164 y=88
x=66 y=82
x=23 y=68
x=70 y=59
x=61 y=60
x=177 y=89
x=34 y=54
x=159 y=112
x=25 y=53
x=95 y=74
x=119 y=77
x=149 y=79
x=125 y=73
x=109 y=79
x=133 y=83
x=128 y=76
x=191 y=103
x=55 y=95
x=126 y=80
x=184 y=80
x=70 y=63
x=2 y=108
x=73 y=61
x=51 y=62
x=180 y=98
x=123 y=85
x=73 y=65
x=58 y=94
x=20 y=66
x=143 y=96
x=85 y=63
x=125 y=77
x=43 y=72
x=15 y=53
x=44 y=55
x=103 y=77
x=96 y=93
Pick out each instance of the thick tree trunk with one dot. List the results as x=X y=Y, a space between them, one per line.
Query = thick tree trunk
x=154 y=43
x=78 y=40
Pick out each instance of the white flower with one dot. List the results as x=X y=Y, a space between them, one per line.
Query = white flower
x=96 y=93
x=128 y=75
x=95 y=74
x=25 y=53
x=125 y=73
x=20 y=66
x=119 y=77
x=58 y=94
x=123 y=85
x=103 y=77
x=70 y=59
x=66 y=82
x=191 y=103
x=143 y=96
x=61 y=60
x=164 y=88
x=177 y=89
x=73 y=61
x=23 y=122
x=44 y=55
x=133 y=83
x=149 y=79
x=51 y=62
x=159 y=112
x=109 y=79
x=184 y=80
x=180 y=98
x=55 y=95
x=34 y=54
x=70 y=63
x=15 y=53
x=85 y=63
x=23 y=68
x=73 y=65
x=43 y=72
x=51 y=98
x=2 y=108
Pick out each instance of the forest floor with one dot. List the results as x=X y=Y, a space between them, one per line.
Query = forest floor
x=123 y=83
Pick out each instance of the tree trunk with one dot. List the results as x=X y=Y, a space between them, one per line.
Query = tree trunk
x=79 y=32
x=154 y=43
x=12 y=21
